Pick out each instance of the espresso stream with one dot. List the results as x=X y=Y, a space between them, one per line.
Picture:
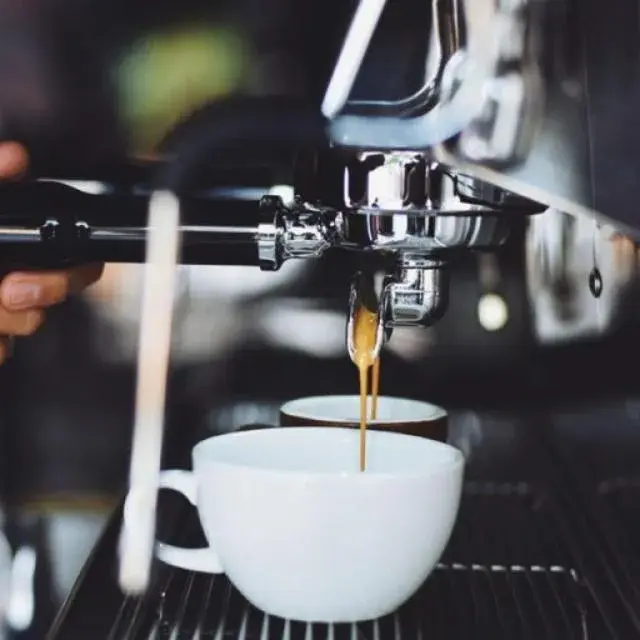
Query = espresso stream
x=364 y=341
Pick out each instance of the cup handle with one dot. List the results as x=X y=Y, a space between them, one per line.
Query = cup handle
x=204 y=560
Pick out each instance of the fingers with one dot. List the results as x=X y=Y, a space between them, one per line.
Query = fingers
x=23 y=295
x=14 y=160
x=20 y=323
x=20 y=291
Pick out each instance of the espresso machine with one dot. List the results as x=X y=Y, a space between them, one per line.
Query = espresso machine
x=504 y=110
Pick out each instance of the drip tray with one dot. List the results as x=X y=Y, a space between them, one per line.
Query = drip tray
x=504 y=575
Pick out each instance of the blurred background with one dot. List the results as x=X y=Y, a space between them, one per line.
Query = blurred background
x=96 y=90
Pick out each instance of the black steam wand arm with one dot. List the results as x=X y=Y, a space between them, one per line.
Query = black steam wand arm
x=47 y=225
x=52 y=225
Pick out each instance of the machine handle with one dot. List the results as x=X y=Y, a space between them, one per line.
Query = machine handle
x=443 y=26
x=48 y=225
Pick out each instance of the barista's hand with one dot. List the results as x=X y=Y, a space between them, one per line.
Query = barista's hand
x=25 y=295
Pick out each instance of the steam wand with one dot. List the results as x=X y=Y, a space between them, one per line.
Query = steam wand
x=139 y=520
x=163 y=242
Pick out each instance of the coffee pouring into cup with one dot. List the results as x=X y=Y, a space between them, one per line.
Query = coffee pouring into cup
x=293 y=521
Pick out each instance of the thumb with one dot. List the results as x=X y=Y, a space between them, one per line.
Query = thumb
x=14 y=160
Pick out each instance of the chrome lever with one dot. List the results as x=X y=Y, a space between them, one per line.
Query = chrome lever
x=467 y=75
x=355 y=46
x=446 y=35
x=445 y=120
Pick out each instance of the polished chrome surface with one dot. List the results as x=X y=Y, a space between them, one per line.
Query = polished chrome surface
x=356 y=43
x=300 y=230
x=414 y=294
x=444 y=35
x=398 y=206
x=291 y=232
x=489 y=92
x=583 y=158
x=401 y=202
x=562 y=254
x=405 y=182
x=417 y=294
x=512 y=96
x=432 y=234
x=437 y=125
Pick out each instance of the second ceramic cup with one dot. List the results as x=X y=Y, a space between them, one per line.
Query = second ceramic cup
x=400 y=415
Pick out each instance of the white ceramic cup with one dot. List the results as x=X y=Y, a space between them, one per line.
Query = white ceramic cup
x=303 y=534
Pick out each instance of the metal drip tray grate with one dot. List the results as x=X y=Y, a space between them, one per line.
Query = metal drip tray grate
x=619 y=498
x=502 y=576
x=617 y=506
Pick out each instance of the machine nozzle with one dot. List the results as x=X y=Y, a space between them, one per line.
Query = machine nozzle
x=417 y=294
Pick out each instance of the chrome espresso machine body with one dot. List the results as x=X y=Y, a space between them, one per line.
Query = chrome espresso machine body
x=516 y=113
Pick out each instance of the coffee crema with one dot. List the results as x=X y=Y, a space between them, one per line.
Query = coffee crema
x=365 y=329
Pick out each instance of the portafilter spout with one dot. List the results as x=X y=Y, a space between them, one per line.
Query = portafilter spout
x=416 y=294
